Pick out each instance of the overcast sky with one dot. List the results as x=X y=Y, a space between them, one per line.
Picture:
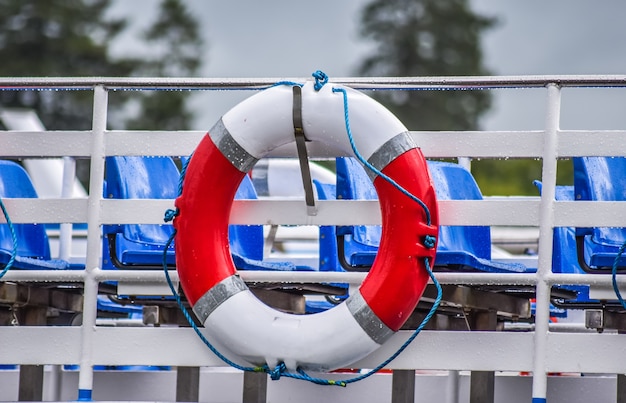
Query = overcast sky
x=283 y=38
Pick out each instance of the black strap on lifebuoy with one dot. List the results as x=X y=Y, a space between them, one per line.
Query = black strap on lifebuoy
x=303 y=156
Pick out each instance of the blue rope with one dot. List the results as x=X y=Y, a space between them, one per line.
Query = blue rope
x=188 y=315
x=281 y=370
x=13 y=238
x=370 y=166
x=287 y=83
x=614 y=274
x=320 y=79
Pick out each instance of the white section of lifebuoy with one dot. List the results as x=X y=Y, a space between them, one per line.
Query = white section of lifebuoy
x=326 y=340
x=264 y=122
x=324 y=119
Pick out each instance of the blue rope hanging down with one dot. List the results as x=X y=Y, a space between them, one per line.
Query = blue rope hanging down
x=13 y=239
x=280 y=370
x=620 y=252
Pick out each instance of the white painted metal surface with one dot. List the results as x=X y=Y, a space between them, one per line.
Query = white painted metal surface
x=219 y=385
x=540 y=351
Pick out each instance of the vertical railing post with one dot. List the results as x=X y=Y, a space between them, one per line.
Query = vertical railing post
x=546 y=227
x=94 y=242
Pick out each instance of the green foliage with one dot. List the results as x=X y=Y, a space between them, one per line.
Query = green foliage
x=427 y=38
x=176 y=47
x=175 y=41
x=415 y=38
x=515 y=176
x=67 y=38
x=72 y=38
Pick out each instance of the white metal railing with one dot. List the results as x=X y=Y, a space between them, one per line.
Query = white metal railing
x=540 y=351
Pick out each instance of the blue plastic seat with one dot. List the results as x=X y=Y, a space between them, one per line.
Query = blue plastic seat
x=600 y=179
x=142 y=245
x=459 y=247
x=33 y=250
x=139 y=245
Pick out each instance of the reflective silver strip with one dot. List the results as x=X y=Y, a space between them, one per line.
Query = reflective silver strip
x=215 y=296
x=389 y=151
x=260 y=178
x=240 y=158
x=367 y=319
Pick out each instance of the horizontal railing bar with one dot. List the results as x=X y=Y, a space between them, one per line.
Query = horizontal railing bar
x=150 y=143
x=46 y=211
x=434 y=144
x=486 y=144
x=514 y=212
x=433 y=350
x=251 y=276
x=590 y=213
x=45 y=143
x=510 y=211
x=234 y=83
x=600 y=143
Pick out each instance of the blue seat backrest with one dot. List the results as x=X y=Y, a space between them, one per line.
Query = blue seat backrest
x=32 y=238
x=459 y=247
x=452 y=182
x=327 y=235
x=601 y=179
x=131 y=177
x=564 y=255
x=354 y=184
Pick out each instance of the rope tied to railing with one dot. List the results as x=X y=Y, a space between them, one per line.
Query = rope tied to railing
x=281 y=370
x=11 y=261
x=620 y=252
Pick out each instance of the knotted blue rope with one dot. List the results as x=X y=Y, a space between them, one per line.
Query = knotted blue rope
x=320 y=79
x=430 y=241
x=13 y=239
x=614 y=275
x=281 y=369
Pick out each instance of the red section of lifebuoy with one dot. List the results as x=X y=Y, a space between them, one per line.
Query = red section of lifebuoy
x=398 y=277
x=211 y=182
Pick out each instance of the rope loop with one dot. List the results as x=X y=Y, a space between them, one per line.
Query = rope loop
x=429 y=241
x=320 y=79
x=170 y=214
x=277 y=372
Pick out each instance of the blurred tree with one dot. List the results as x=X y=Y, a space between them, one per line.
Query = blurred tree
x=67 y=38
x=516 y=176
x=176 y=49
x=427 y=38
x=73 y=37
x=441 y=38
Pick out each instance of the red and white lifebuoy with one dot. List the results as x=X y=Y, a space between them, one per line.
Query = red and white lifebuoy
x=236 y=322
